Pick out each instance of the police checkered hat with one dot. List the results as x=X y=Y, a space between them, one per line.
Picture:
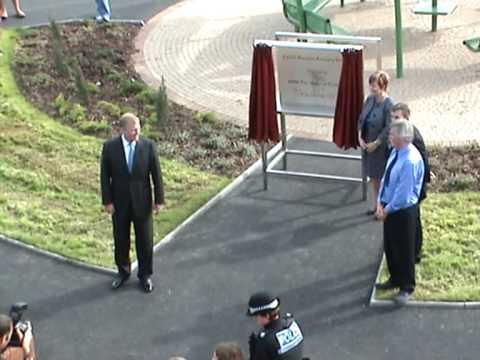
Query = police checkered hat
x=262 y=302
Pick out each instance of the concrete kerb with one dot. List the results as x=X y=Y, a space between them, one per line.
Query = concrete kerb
x=56 y=257
x=213 y=201
x=374 y=302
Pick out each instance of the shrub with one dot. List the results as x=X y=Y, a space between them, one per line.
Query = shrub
x=217 y=142
x=94 y=127
x=206 y=130
x=22 y=59
x=77 y=113
x=109 y=108
x=151 y=118
x=61 y=105
x=130 y=87
x=147 y=97
x=91 y=87
x=28 y=33
x=182 y=137
x=150 y=109
x=234 y=131
x=69 y=112
x=197 y=153
x=148 y=132
x=223 y=165
x=125 y=109
x=161 y=104
x=166 y=149
x=248 y=150
x=206 y=118
x=108 y=112
x=104 y=53
x=41 y=79
x=114 y=76
x=461 y=183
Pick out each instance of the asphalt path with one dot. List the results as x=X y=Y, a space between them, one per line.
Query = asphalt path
x=307 y=241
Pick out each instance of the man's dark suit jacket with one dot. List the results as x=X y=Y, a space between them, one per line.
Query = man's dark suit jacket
x=122 y=188
x=422 y=149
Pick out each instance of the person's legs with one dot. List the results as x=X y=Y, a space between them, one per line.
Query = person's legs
x=418 y=237
x=375 y=188
x=144 y=246
x=100 y=10
x=3 y=10
x=16 y=5
x=103 y=10
x=406 y=249
x=121 y=234
x=390 y=241
x=108 y=10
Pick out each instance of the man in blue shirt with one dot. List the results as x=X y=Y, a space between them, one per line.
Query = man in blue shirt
x=399 y=111
x=398 y=207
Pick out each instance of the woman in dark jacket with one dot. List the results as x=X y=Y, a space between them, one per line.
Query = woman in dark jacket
x=373 y=129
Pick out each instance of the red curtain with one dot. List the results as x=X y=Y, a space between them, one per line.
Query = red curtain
x=349 y=100
x=263 y=126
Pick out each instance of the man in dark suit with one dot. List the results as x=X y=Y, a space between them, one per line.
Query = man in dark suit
x=128 y=165
x=399 y=111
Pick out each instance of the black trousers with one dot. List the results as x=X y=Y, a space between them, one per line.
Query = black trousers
x=399 y=240
x=122 y=222
x=418 y=236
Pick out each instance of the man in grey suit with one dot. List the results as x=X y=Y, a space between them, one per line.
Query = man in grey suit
x=129 y=164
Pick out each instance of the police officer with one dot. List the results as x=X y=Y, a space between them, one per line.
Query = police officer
x=280 y=338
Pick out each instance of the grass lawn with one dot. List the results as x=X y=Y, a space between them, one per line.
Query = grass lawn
x=450 y=267
x=49 y=187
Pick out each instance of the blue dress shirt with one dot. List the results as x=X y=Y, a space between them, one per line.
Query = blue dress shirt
x=405 y=183
x=126 y=148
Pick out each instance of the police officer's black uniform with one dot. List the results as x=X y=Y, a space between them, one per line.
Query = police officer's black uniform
x=281 y=339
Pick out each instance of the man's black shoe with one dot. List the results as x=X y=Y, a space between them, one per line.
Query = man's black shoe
x=146 y=284
x=387 y=285
x=402 y=297
x=119 y=281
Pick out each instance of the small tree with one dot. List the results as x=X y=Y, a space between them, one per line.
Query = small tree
x=80 y=83
x=58 y=52
x=161 y=104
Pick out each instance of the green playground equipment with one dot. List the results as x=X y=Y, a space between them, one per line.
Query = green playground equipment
x=319 y=24
x=305 y=17
x=472 y=44
x=433 y=8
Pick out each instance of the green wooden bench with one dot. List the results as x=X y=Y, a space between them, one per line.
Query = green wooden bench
x=304 y=16
x=319 y=24
x=294 y=11
x=472 y=44
x=433 y=8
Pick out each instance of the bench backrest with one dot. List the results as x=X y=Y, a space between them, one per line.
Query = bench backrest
x=316 y=23
x=295 y=14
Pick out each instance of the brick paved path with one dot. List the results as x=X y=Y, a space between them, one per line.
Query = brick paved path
x=203 y=48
